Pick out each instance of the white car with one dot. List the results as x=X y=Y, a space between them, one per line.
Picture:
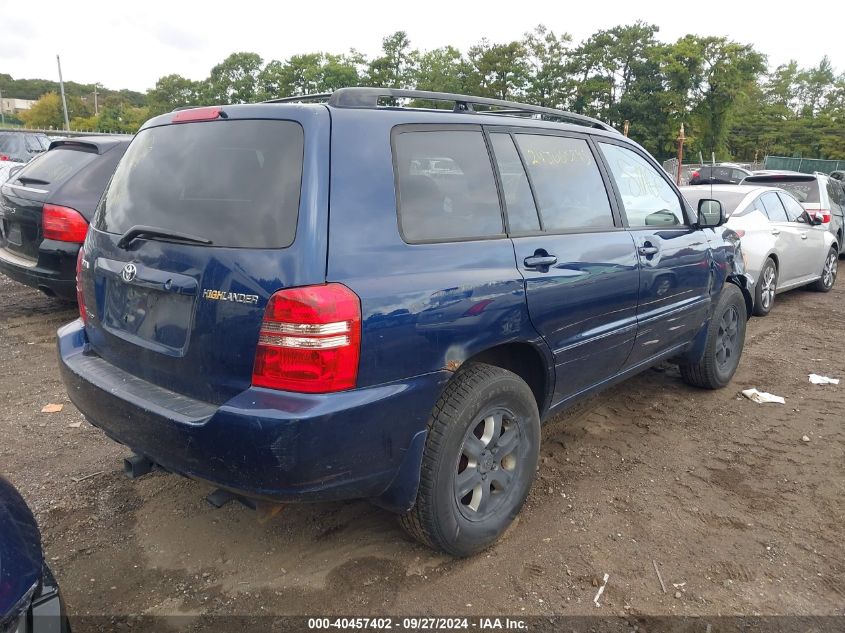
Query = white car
x=784 y=246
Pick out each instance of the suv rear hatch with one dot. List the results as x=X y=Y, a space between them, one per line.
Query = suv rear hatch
x=202 y=222
x=23 y=196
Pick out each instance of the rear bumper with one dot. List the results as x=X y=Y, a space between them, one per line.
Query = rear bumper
x=263 y=444
x=54 y=271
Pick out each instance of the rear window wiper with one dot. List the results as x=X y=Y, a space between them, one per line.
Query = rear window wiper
x=25 y=180
x=153 y=232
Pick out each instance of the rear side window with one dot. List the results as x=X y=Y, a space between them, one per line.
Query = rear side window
x=648 y=199
x=793 y=209
x=567 y=182
x=519 y=203
x=55 y=166
x=446 y=186
x=773 y=207
x=236 y=183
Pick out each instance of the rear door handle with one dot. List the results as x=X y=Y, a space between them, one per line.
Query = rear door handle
x=648 y=251
x=539 y=261
x=775 y=231
x=804 y=235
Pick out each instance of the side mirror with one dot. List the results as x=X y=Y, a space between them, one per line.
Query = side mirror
x=710 y=213
x=816 y=217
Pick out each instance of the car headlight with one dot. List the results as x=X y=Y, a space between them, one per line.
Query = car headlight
x=9 y=622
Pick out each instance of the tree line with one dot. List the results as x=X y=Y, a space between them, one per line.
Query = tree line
x=730 y=102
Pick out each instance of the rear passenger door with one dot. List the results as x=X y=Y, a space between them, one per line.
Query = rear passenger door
x=788 y=239
x=674 y=256
x=579 y=264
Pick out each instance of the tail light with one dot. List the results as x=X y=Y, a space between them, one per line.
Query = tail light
x=310 y=340
x=825 y=215
x=80 y=296
x=4 y=157
x=63 y=224
x=695 y=174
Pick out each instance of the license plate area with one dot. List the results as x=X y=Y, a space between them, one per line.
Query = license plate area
x=154 y=310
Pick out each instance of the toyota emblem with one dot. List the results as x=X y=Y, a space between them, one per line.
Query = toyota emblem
x=128 y=273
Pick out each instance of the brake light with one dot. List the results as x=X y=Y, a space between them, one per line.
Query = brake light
x=695 y=174
x=63 y=224
x=198 y=114
x=310 y=340
x=825 y=215
x=4 y=157
x=80 y=296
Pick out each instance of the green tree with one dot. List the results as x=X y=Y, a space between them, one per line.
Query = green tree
x=706 y=76
x=47 y=112
x=395 y=67
x=234 y=80
x=499 y=70
x=172 y=91
x=549 y=83
x=442 y=70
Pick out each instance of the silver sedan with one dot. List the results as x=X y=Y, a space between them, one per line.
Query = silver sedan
x=783 y=245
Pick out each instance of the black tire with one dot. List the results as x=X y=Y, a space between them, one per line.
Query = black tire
x=725 y=340
x=829 y=269
x=503 y=467
x=764 y=294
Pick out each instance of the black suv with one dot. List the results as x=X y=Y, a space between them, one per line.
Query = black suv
x=324 y=301
x=45 y=209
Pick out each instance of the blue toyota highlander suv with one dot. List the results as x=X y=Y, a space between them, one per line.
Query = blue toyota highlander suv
x=352 y=298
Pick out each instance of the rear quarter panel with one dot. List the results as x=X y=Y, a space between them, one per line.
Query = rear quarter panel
x=425 y=307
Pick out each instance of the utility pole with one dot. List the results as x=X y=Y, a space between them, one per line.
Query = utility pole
x=62 y=89
x=681 y=139
x=96 y=106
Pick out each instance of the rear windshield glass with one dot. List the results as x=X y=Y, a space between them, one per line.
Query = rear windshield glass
x=804 y=190
x=55 y=166
x=236 y=183
x=730 y=199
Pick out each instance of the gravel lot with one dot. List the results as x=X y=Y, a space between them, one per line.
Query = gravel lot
x=741 y=515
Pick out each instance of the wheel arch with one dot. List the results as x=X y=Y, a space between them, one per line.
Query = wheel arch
x=528 y=362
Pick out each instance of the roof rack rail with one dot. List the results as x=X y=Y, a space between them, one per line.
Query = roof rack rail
x=319 y=96
x=368 y=98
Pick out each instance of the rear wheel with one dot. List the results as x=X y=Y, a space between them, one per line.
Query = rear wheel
x=764 y=295
x=479 y=461
x=828 y=278
x=725 y=340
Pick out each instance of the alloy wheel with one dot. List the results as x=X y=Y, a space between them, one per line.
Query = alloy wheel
x=830 y=267
x=727 y=337
x=488 y=463
x=767 y=292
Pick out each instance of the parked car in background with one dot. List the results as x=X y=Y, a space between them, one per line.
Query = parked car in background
x=838 y=175
x=785 y=246
x=45 y=209
x=722 y=173
x=233 y=330
x=22 y=147
x=815 y=192
x=29 y=596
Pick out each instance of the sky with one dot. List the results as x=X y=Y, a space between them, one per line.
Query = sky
x=131 y=49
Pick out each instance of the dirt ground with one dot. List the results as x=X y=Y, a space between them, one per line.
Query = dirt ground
x=741 y=515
